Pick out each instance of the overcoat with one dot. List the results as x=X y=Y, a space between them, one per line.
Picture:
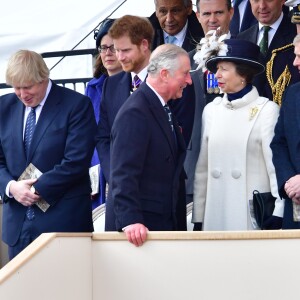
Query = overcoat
x=235 y=159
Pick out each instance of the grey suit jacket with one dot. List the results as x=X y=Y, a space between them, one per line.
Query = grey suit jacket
x=193 y=148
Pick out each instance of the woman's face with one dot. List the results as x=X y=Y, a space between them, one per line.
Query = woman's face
x=108 y=56
x=229 y=81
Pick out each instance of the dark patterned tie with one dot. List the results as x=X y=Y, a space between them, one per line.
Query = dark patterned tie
x=136 y=82
x=169 y=115
x=29 y=130
x=264 y=43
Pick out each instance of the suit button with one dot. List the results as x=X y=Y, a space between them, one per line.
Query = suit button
x=236 y=174
x=216 y=173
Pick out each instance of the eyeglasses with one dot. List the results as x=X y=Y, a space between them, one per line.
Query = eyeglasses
x=103 y=49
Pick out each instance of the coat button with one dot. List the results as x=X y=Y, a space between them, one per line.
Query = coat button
x=216 y=173
x=236 y=174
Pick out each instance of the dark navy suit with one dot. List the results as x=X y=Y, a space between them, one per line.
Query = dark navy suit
x=146 y=164
x=286 y=148
x=116 y=90
x=61 y=148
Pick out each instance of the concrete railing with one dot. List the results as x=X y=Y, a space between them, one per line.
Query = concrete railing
x=170 y=265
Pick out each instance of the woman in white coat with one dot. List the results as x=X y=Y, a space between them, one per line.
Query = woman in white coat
x=235 y=157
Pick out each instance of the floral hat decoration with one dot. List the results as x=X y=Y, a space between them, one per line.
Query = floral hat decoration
x=209 y=46
x=214 y=48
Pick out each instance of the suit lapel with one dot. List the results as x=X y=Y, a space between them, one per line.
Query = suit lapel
x=49 y=112
x=160 y=116
x=17 y=121
x=253 y=34
x=283 y=36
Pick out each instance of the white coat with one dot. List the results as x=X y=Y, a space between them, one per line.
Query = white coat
x=235 y=159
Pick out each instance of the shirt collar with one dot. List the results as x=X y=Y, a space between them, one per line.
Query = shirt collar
x=162 y=101
x=41 y=104
x=142 y=75
x=180 y=35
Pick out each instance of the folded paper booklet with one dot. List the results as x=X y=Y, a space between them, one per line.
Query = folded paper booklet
x=95 y=178
x=32 y=172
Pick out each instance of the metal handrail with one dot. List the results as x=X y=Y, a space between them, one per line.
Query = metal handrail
x=66 y=53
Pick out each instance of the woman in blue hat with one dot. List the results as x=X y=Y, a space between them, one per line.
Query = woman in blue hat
x=106 y=65
x=235 y=157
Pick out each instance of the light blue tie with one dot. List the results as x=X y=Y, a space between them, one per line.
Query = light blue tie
x=171 y=39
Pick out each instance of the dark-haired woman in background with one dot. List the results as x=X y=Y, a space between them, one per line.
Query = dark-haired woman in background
x=106 y=65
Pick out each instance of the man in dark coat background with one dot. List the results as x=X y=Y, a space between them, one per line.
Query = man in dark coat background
x=175 y=22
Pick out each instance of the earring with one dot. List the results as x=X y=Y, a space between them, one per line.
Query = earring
x=242 y=82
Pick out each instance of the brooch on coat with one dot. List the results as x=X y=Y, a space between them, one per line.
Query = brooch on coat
x=253 y=112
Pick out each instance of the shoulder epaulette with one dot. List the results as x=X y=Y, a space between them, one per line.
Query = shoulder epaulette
x=284 y=48
x=283 y=80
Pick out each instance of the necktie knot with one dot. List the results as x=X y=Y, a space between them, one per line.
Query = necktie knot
x=171 y=39
x=264 y=43
x=237 y=3
x=136 y=82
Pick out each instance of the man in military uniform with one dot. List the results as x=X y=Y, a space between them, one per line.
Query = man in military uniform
x=278 y=53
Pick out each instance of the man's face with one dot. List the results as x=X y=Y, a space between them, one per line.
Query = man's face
x=172 y=15
x=266 y=11
x=213 y=14
x=31 y=94
x=133 y=58
x=297 y=58
x=180 y=79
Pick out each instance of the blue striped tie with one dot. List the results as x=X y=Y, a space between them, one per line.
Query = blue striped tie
x=29 y=130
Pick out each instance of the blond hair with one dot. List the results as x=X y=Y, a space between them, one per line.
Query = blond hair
x=26 y=67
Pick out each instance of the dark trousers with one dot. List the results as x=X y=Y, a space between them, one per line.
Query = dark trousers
x=26 y=237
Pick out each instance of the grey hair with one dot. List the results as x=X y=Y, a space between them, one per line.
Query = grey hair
x=186 y=3
x=165 y=57
x=296 y=39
